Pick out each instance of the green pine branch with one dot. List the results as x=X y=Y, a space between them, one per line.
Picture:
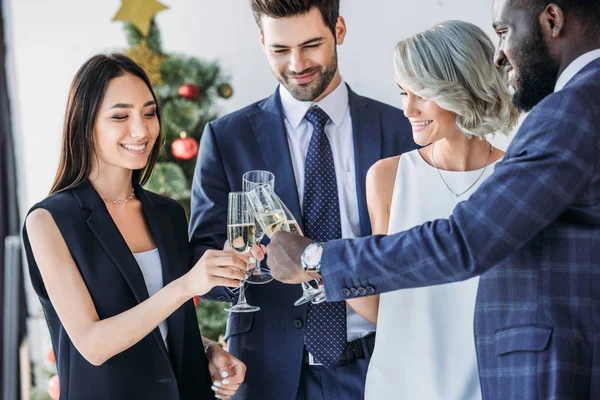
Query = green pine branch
x=134 y=37
x=212 y=318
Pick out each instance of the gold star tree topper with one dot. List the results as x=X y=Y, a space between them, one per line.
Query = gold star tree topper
x=139 y=13
x=149 y=61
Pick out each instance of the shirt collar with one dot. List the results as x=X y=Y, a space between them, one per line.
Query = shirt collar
x=334 y=104
x=577 y=65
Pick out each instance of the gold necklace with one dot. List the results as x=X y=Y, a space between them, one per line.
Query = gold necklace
x=109 y=200
x=473 y=184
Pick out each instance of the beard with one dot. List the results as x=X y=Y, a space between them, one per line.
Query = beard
x=310 y=91
x=537 y=75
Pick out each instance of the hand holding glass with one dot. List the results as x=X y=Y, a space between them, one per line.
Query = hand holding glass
x=272 y=214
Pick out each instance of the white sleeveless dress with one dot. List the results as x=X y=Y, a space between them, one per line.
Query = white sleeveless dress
x=425 y=348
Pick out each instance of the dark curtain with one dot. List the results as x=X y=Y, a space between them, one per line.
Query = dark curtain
x=9 y=213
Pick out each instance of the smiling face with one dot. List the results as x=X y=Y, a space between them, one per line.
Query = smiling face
x=127 y=126
x=523 y=51
x=301 y=51
x=429 y=121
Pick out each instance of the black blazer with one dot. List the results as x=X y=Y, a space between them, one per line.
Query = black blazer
x=115 y=282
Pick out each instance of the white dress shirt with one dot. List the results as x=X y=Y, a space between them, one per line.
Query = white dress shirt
x=577 y=65
x=339 y=133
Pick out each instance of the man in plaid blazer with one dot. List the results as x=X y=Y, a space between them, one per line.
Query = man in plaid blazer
x=532 y=229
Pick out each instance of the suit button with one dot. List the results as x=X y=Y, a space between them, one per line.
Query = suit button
x=354 y=292
x=298 y=323
x=370 y=289
x=345 y=292
x=362 y=291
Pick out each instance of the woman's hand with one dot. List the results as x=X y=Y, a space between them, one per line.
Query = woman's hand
x=216 y=268
x=226 y=371
x=258 y=251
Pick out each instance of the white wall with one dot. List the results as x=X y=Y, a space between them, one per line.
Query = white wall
x=51 y=39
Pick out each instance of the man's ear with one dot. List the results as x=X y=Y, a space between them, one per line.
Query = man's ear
x=340 y=30
x=552 y=21
x=261 y=39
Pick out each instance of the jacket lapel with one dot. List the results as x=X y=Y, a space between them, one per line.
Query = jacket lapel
x=101 y=224
x=164 y=235
x=269 y=130
x=366 y=129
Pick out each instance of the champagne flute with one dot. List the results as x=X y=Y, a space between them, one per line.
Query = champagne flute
x=268 y=211
x=251 y=180
x=273 y=215
x=240 y=233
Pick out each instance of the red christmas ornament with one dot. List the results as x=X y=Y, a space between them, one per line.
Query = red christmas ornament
x=185 y=148
x=54 y=387
x=51 y=357
x=196 y=301
x=188 y=91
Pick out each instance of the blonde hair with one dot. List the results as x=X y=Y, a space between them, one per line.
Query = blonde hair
x=452 y=64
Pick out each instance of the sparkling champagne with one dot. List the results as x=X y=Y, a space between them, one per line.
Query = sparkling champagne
x=258 y=231
x=241 y=237
x=272 y=222
x=294 y=227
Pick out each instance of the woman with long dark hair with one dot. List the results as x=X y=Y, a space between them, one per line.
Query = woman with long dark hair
x=109 y=260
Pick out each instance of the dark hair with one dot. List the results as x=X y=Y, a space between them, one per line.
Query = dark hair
x=85 y=96
x=586 y=11
x=330 y=10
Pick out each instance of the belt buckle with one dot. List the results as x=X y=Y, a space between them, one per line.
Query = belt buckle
x=312 y=361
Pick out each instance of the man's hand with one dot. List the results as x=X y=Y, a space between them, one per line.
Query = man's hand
x=227 y=371
x=284 y=252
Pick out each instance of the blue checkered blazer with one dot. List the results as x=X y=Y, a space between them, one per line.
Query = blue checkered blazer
x=533 y=231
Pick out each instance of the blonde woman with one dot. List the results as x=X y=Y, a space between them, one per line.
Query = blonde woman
x=455 y=98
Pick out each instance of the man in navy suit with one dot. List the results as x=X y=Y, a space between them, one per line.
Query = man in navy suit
x=316 y=136
x=532 y=229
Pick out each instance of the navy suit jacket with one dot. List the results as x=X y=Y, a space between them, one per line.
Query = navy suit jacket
x=533 y=228
x=116 y=284
x=271 y=341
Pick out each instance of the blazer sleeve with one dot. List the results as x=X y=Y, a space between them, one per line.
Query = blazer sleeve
x=548 y=165
x=208 y=219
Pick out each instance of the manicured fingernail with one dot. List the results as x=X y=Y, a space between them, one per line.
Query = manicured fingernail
x=217 y=396
x=252 y=259
x=217 y=383
x=214 y=388
x=225 y=381
x=225 y=374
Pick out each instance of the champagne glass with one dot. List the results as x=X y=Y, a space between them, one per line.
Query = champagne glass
x=251 y=180
x=268 y=211
x=273 y=215
x=240 y=233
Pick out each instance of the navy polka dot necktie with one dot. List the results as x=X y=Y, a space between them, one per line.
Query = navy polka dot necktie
x=325 y=336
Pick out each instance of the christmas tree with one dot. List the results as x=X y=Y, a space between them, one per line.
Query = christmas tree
x=186 y=88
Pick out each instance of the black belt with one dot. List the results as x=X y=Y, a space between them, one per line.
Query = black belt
x=355 y=350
